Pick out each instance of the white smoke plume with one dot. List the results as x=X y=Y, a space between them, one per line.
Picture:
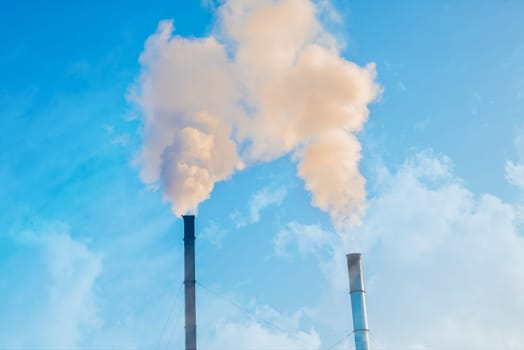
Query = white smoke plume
x=269 y=81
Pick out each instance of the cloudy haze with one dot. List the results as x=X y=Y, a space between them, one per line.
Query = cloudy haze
x=299 y=131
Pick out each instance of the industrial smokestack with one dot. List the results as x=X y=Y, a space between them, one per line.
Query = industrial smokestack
x=189 y=280
x=358 y=301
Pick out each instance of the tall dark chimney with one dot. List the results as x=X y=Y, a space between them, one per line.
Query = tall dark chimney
x=358 y=301
x=189 y=280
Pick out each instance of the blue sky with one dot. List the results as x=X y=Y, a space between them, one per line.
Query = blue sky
x=90 y=255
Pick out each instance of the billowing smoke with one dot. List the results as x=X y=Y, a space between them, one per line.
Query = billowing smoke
x=270 y=81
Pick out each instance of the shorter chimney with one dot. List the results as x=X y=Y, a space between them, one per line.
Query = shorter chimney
x=358 y=301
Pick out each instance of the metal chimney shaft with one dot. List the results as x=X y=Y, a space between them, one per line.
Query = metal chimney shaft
x=358 y=301
x=189 y=280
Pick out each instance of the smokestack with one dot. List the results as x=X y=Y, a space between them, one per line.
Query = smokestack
x=189 y=280
x=358 y=301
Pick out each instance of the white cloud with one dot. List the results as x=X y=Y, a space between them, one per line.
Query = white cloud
x=443 y=267
x=327 y=8
x=231 y=323
x=263 y=199
x=121 y=140
x=259 y=201
x=515 y=173
x=214 y=233
x=209 y=4
x=253 y=335
x=64 y=310
x=117 y=139
x=310 y=239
